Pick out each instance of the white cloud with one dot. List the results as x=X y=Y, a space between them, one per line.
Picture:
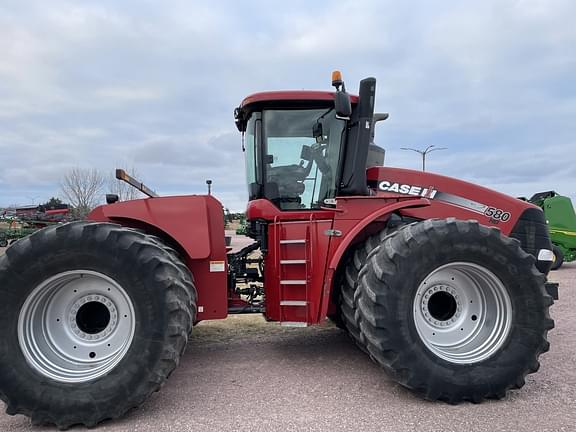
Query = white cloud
x=115 y=95
x=155 y=86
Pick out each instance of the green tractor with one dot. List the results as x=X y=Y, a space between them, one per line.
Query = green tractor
x=561 y=219
x=9 y=236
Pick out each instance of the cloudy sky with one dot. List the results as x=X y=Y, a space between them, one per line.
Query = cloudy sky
x=153 y=85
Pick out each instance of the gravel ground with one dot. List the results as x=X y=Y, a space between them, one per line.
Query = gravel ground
x=243 y=374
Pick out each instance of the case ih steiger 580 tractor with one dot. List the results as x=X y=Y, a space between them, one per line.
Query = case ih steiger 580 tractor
x=439 y=281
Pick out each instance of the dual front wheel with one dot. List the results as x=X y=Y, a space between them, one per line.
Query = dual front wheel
x=453 y=310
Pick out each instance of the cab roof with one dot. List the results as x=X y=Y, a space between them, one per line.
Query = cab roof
x=288 y=98
x=292 y=96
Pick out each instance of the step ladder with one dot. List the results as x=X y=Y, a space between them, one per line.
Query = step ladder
x=294 y=264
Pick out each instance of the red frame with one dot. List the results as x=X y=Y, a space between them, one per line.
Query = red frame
x=195 y=226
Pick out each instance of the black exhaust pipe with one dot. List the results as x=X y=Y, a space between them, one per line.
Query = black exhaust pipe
x=353 y=181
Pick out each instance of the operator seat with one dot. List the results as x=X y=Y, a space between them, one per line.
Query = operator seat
x=285 y=186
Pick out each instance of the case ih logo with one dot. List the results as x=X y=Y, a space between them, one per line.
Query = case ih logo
x=407 y=189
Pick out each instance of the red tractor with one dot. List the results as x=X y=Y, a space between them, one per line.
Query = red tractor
x=439 y=281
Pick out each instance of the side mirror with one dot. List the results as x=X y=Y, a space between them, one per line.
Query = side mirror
x=342 y=105
x=239 y=119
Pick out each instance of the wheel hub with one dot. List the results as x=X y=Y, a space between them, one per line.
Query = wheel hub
x=76 y=326
x=441 y=305
x=462 y=312
x=93 y=317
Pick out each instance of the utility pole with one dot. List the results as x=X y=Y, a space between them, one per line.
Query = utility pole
x=209 y=183
x=428 y=149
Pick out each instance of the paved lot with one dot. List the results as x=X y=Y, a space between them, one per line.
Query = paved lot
x=242 y=374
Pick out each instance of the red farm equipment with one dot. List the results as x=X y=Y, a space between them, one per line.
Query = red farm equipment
x=442 y=282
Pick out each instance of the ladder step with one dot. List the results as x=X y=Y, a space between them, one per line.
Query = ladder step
x=299 y=261
x=293 y=324
x=292 y=241
x=293 y=303
x=293 y=282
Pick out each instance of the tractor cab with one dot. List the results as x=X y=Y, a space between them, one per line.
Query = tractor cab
x=304 y=148
x=292 y=148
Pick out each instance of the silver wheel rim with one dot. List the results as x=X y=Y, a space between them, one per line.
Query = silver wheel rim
x=76 y=326
x=462 y=312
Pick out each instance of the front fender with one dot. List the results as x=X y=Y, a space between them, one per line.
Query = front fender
x=352 y=235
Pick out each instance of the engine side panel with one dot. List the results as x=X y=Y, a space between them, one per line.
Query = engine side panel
x=193 y=224
x=456 y=198
x=449 y=197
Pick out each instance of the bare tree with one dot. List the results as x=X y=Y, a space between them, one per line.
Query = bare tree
x=124 y=191
x=82 y=188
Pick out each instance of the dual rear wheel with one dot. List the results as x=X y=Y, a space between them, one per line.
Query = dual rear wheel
x=451 y=309
x=94 y=318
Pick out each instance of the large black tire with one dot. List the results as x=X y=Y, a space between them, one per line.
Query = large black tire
x=185 y=271
x=349 y=282
x=3 y=242
x=176 y=258
x=159 y=287
x=387 y=296
x=558 y=258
